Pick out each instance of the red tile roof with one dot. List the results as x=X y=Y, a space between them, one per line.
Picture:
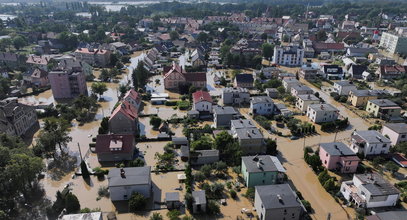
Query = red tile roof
x=328 y=46
x=133 y=95
x=195 y=77
x=123 y=143
x=201 y=96
x=400 y=159
x=126 y=109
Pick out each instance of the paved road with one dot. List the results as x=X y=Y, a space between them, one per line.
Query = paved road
x=302 y=176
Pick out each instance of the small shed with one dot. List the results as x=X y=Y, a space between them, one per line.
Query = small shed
x=184 y=152
x=179 y=141
x=172 y=200
x=201 y=157
x=193 y=114
x=199 y=203
x=272 y=92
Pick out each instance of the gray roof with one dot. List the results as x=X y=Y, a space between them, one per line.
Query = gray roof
x=224 y=110
x=300 y=87
x=234 y=90
x=369 y=92
x=242 y=123
x=179 y=140
x=83 y=216
x=248 y=133
x=271 y=90
x=397 y=127
x=171 y=196
x=371 y=136
x=184 y=151
x=277 y=196
x=132 y=176
x=362 y=50
x=308 y=97
x=376 y=185
x=261 y=99
x=207 y=153
x=291 y=81
x=262 y=163
x=337 y=149
x=345 y=83
x=383 y=103
x=322 y=107
x=199 y=197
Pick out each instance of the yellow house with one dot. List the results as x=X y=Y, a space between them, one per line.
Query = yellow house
x=359 y=98
x=383 y=108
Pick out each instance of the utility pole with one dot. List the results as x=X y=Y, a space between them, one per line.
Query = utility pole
x=336 y=133
x=329 y=216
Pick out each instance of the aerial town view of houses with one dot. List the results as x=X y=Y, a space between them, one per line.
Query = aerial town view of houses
x=182 y=110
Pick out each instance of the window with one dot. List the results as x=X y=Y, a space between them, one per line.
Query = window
x=384 y=145
x=325 y=161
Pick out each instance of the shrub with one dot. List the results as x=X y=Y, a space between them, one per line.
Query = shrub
x=137 y=202
x=138 y=162
x=233 y=194
x=72 y=203
x=103 y=191
x=250 y=193
x=174 y=214
x=213 y=208
x=99 y=172
x=199 y=177
x=307 y=205
x=156 y=216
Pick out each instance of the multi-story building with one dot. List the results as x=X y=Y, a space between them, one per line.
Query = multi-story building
x=397 y=132
x=277 y=202
x=235 y=96
x=288 y=56
x=391 y=71
x=359 y=98
x=319 y=113
x=370 y=143
x=123 y=182
x=16 y=119
x=289 y=83
x=384 y=109
x=344 y=87
x=124 y=119
x=175 y=77
x=338 y=157
x=303 y=101
x=67 y=83
x=261 y=105
x=223 y=115
x=300 y=89
x=394 y=43
x=94 y=57
x=262 y=170
x=202 y=101
x=370 y=190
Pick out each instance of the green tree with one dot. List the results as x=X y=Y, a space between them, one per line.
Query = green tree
x=198 y=177
x=213 y=208
x=321 y=35
x=99 y=88
x=206 y=170
x=155 y=122
x=400 y=148
x=271 y=147
x=392 y=167
x=140 y=76
x=377 y=161
x=104 y=126
x=19 y=42
x=104 y=75
x=174 y=214
x=59 y=128
x=156 y=216
x=329 y=185
x=72 y=203
x=267 y=50
x=137 y=202
x=174 y=35
x=138 y=162
x=202 y=37
x=204 y=143
x=221 y=167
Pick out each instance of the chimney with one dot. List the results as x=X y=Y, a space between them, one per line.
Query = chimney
x=122 y=173
x=280 y=199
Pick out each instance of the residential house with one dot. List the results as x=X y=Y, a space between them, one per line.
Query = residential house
x=38 y=61
x=124 y=119
x=16 y=118
x=356 y=71
x=94 y=57
x=389 y=215
x=199 y=201
x=384 y=109
x=251 y=140
x=344 y=87
x=359 y=98
x=133 y=98
x=370 y=143
x=319 y=113
x=202 y=101
x=268 y=72
x=308 y=72
x=337 y=156
x=172 y=200
x=235 y=96
x=123 y=182
x=391 y=72
x=12 y=59
x=332 y=72
x=223 y=115
x=262 y=170
x=240 y=124
x=67 y=83
x=360 y=52
x=261 y=105
x=370 y=190
x=272 y=92
x=66 y=62
x=176 y=77
x=289 y=83
x=201 y=157
x=288 y=55
x=303 y=101
x=396 y=132
x=320 y=47
x=198 y=58
x=243 y=81
x=114 y=147
x=277 y=202
x=39 y=78
x=300 y=89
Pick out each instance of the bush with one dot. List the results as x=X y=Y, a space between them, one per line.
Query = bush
x=99 y=172
x=137 y=202
x=72 y=203
x=171 y=103
x=213 y=208
x=250 y=193
x=138 y=162
x=233 y=194
x=103 y=191
x=156 y=216
x=263 y=121
x=307 y=205
x=174 y=214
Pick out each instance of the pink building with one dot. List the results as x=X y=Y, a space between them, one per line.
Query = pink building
x=176 y=76
x=337 y=156
x=397 y=132
x=66 y=84
x=124 y=119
